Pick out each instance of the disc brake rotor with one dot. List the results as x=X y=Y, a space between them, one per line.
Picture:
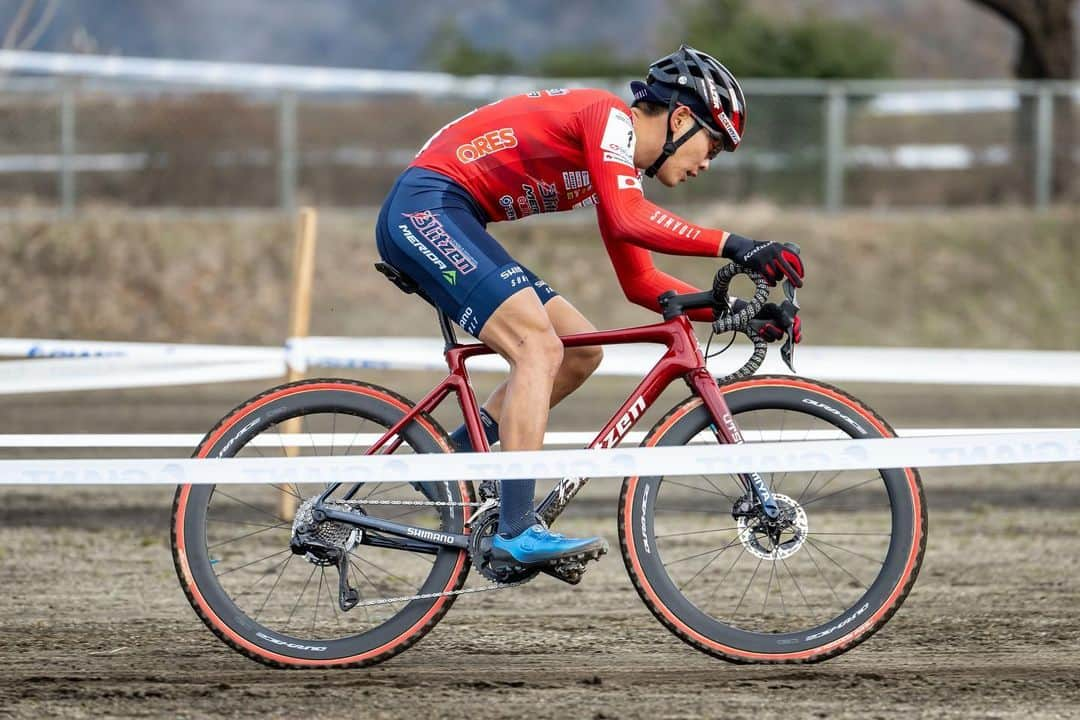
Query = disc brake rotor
x=778 y=539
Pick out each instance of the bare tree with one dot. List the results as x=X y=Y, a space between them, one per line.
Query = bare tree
x=1047 y=49
x=1047 y=52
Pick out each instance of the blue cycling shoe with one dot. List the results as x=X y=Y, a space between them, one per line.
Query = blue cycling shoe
x=539 y=546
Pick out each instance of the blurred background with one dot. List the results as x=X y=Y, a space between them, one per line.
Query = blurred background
x=879 y=103
x=152 y=154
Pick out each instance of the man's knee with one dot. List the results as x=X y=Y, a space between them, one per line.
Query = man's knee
x=541 y=349
x=581 y=362
x=521 y=332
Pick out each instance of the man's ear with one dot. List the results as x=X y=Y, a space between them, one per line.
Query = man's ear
x=679 y=119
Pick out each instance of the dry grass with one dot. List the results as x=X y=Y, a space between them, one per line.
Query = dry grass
x=988 y=278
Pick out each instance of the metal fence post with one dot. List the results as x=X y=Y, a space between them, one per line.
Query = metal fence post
x=67 y=149
x=1044 y=146
x=835 y=126
x=287 y=151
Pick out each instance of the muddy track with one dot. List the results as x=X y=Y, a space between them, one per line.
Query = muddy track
x=95 y=624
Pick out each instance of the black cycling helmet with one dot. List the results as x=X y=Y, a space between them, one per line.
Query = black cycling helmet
x=700 y=82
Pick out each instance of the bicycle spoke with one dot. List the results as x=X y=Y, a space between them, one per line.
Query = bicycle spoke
x=697 y=555
x=273 y=587
x=750 y=582
x=840 y=547
x=768 y=587
x=352 y=565
x=301 y=596
x=773 y=486
x=814 y=532
x=795 y=582
x=696 y=532
x=742 y=551
x=842 y=569
x=318 y=594
x=371 y=582
x=333 y=604
x=817 y=546
x=711 y=560
x=392 y=576
x=246 y=522
x=250 y=589
x=254 y=562
x=828 y=582
x=694 y=487
x=238 y=501
x=780 y=592
x=717 y=488
x=818 y=498
x=250 y=534
x=692 y=510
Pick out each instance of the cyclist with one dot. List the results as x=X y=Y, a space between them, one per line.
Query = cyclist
x=550 y=151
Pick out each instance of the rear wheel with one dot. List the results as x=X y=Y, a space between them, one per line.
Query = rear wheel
x=231 y=544
x=816 y=582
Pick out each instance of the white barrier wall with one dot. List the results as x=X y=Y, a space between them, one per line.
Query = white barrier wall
x=66 y=365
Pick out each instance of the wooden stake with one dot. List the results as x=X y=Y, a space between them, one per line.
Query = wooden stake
x=299 y=325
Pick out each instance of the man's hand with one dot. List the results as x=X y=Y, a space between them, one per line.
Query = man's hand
x=773 y=260
x=774 y=320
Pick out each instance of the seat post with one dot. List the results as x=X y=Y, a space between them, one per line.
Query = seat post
x=447 y=327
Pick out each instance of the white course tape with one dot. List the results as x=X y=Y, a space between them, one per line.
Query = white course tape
x=992 y=449
x=343 y=440
x=99 y=373
x=82 y=365
x=45 y=348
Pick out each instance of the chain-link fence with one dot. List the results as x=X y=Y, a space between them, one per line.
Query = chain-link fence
x=74 y=142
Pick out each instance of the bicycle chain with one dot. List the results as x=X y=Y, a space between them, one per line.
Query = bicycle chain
x=409 y=598
x=439 y=503
x=426 y=596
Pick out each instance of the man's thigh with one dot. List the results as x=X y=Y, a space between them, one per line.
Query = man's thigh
x=565 y=318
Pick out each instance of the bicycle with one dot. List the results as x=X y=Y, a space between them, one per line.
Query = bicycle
x=819 y=564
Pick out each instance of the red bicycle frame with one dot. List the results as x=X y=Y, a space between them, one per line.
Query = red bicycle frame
x=682 y=359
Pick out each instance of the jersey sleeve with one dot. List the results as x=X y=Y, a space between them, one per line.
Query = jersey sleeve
x=643 y=283
x=631 y=225
x=625 y=214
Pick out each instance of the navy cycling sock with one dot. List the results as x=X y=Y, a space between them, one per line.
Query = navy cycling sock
x=516 y=496
x=460 y=437
x=516 y=512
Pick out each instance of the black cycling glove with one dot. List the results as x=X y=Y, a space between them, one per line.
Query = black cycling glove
x=773 y=321
x=771 y=259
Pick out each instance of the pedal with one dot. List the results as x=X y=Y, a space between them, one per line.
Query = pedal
x=571 y=569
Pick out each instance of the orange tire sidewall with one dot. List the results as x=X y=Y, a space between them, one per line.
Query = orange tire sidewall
x=674 y=620
x=181 y=541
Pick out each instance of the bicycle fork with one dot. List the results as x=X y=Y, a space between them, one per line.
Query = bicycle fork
x=727 y=431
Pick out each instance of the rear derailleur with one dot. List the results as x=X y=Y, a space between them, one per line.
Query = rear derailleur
x=327 y=543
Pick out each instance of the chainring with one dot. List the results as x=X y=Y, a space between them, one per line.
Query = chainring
x=484 y=527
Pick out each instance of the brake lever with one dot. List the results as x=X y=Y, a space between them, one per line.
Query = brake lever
x=787 y=352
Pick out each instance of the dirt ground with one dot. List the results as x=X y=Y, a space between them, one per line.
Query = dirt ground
x=95 y=624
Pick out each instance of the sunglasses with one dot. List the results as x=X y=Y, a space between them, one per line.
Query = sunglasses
x=718 y=142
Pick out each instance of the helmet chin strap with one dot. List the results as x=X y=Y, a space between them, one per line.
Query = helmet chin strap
x=670 y=147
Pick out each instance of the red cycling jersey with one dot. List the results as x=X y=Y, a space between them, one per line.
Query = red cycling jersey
x=555 y=150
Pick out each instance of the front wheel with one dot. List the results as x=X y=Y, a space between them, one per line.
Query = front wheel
x=823 y=577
